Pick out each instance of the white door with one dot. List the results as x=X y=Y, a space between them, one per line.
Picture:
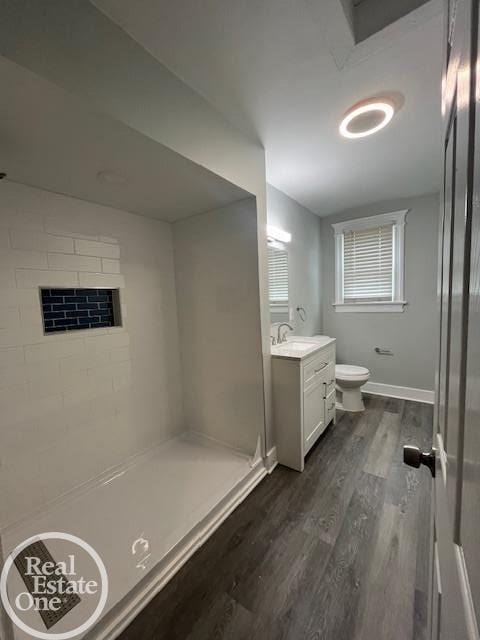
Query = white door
x=455 y=588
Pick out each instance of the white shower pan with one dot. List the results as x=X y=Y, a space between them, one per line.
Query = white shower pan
x=146 y=519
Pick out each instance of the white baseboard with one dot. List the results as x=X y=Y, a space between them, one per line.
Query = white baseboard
x=405 y=393
x=127 y=609
x=271 y=460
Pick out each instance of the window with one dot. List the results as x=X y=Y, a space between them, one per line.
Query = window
x=278 y=279
x=369 y=263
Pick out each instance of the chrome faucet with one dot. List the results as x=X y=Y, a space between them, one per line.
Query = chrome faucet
x=281 y=339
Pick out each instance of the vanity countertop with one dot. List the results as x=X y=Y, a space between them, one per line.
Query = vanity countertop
x=300 y=347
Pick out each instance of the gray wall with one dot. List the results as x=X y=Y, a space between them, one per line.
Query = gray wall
x=304 y=262
x=411 y=335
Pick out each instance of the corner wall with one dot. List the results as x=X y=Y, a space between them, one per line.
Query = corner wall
x=411 y=335
x=304 y=264
x=216 y=270
x=84 y=399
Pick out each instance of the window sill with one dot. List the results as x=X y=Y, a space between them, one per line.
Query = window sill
x=370 y=307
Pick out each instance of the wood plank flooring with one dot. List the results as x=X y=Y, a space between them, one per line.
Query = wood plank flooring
x=339 y=552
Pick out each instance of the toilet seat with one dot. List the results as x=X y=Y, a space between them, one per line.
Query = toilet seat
x=349 y=371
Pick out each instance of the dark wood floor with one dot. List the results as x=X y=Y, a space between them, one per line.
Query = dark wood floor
x=338 y=552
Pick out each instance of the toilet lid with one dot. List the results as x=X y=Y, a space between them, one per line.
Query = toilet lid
x=349 y=370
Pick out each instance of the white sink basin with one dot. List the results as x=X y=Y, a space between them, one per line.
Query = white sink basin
x=299 y=347
x=293 y=345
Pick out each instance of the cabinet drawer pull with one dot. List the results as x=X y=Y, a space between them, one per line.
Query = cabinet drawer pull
x=321 y=368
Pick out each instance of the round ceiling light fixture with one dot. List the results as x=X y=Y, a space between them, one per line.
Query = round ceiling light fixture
x=366 y=118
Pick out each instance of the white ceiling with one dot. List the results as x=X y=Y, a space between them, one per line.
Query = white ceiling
x=284 y=71
x=50 y=139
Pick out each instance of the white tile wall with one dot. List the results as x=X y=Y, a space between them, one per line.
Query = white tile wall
x=35 y=278
x=110 y=266
x=216 y=254
x=92 y=248
x=64 y=262
x=38 y=241
x=74 y=404
x=101 y=280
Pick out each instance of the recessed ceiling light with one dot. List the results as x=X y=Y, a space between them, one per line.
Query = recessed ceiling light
x=111 y=178
x=366 y=118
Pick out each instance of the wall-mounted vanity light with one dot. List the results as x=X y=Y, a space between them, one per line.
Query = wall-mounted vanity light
x=274 y=233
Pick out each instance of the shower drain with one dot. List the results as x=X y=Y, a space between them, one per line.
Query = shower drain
x=69 y=600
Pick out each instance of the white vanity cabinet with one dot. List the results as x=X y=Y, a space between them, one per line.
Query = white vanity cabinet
x=303 y=396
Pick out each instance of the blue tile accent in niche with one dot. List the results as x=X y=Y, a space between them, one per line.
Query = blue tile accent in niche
x=73 y=309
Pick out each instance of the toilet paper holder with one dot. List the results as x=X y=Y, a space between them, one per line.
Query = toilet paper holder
x=383 y=352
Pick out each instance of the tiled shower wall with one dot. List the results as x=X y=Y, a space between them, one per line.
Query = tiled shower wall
x=74 y=405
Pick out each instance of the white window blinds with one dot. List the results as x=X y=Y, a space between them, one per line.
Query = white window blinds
x=277 y=276
x=368 y=264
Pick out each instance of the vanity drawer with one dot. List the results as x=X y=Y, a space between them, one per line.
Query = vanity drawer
x=329 y=354
x=330 y=406
x=314 y=367
x=318 y=365
x=330 y=379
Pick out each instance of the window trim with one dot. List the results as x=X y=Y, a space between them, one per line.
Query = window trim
x=397 y=219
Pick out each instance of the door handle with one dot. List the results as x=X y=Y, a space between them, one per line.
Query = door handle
x=414 y=458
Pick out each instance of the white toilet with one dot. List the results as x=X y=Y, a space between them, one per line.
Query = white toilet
x=349 y=380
